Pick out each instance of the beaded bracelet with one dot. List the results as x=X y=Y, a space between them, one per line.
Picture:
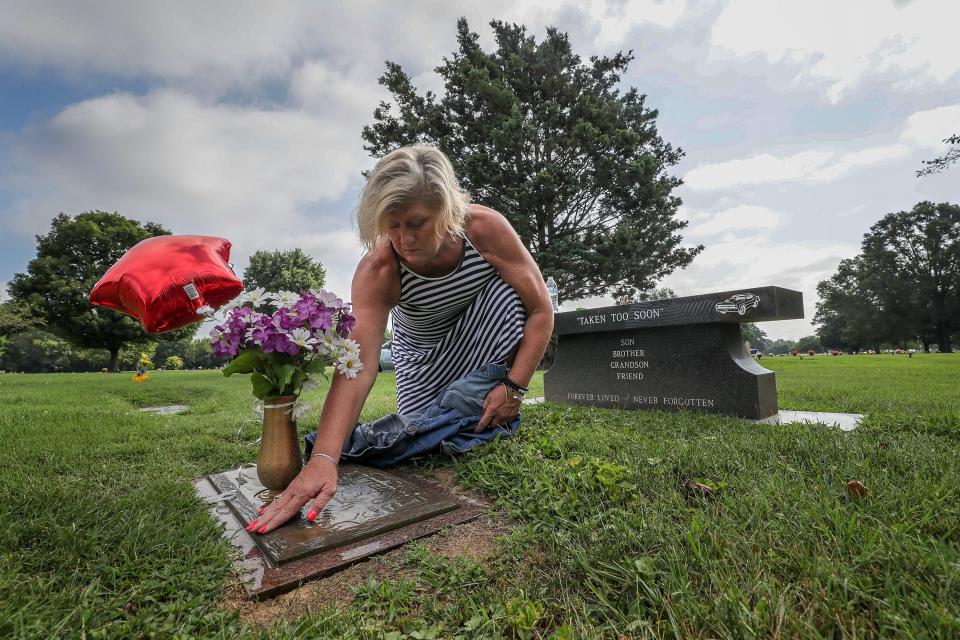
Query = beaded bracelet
x=513 y=385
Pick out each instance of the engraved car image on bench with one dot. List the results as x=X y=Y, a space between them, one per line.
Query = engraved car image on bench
x=739 y=302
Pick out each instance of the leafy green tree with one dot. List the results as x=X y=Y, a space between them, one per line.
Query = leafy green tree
x=917 y=252
x=70 y=260
x=173 y=362
x=859 y=308
x=576 y=166
x=807 y=343
x=781 y=346
x=37 y=351
x=951 y=156
x=15 y=318
x=167 y=347
x=905 y=283
x=755 y=335
x=290 y=270
x=199 y=355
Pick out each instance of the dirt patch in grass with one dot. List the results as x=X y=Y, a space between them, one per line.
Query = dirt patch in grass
x=476 y=539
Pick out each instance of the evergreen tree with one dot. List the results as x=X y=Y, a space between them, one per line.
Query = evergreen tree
x=574 y=164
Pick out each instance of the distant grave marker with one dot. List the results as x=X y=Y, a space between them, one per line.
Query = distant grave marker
x=166 y=410
x=670 y=354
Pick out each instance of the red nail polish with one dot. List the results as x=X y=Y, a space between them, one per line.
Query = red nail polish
x=253 y=523
x=312 y=515
x=262 y=529
x=261 y=510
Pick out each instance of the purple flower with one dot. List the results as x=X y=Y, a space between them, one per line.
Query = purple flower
x=345 y=324
x=226 y=345
x=305 y=307
x=322 y=319
x=286 y=319
x=261 y=334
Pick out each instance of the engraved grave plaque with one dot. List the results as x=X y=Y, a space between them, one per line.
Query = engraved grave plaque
x=373 y=511
x=368 y=502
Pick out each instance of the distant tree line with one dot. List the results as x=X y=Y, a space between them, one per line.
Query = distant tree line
x=759 y=340
x=903 y=287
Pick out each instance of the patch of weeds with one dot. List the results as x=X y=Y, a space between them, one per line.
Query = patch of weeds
x=387 y=601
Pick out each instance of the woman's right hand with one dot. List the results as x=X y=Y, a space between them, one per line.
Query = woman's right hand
x=317 y=482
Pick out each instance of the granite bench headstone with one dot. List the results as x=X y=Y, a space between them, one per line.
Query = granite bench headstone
x=670 y=354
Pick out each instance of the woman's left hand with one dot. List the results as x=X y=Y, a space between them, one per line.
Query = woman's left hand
x=499 y=409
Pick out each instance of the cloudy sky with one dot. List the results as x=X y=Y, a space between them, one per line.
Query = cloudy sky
x=802 y=122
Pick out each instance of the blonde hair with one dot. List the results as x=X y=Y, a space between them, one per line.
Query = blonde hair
x=420 y=173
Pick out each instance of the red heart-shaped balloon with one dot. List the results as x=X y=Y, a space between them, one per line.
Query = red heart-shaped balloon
x=167 y=282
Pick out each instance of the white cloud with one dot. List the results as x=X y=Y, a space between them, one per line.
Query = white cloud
x=816 y=165
x=265 y=179
x=739 y=261
x=168 y=152
x=736 y=218
x=608 y=20
x=217 y=45
x=615 y=19
x=840 y=44
x=929 y=128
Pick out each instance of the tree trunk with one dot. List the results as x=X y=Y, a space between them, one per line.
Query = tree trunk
x=114 y=359
x=943 y=338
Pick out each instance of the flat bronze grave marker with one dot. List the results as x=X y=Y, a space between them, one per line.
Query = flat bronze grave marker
x=373 y=511
x=166 y=410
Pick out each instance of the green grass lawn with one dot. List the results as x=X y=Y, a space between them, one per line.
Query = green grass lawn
x=103 y=537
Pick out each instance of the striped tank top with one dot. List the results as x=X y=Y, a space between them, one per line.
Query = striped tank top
x=445 y=327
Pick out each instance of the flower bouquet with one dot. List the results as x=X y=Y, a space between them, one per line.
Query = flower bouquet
x=282 y=351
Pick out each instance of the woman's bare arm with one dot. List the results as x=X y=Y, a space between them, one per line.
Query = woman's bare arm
x=376 y=289
x=373 y=297
x=502 y=248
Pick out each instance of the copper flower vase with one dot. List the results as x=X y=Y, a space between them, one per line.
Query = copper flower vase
x=279 y=461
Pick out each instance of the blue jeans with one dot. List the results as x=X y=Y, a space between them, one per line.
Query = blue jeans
x=446 y=425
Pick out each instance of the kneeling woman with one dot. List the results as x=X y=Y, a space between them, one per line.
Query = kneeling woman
x=471 y=320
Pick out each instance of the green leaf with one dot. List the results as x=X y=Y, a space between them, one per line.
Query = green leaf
x=247 y=362
x=284 y=376
x=262 y=387
x=296 y=382
x=316 y=365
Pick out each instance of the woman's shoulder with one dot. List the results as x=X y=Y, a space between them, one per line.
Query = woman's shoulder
x=377 y=273
x=486 y=228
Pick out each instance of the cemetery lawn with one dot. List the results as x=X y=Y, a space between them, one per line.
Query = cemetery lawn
x=104 y=538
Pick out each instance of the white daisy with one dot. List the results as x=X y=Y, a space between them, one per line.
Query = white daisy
x=283 y=298
x=329 y=341
x=302 y=337
x=349 y=347
x=349 y=365
x=256 y=297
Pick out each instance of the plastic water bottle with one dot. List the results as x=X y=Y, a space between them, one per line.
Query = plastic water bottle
x=552 y=288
